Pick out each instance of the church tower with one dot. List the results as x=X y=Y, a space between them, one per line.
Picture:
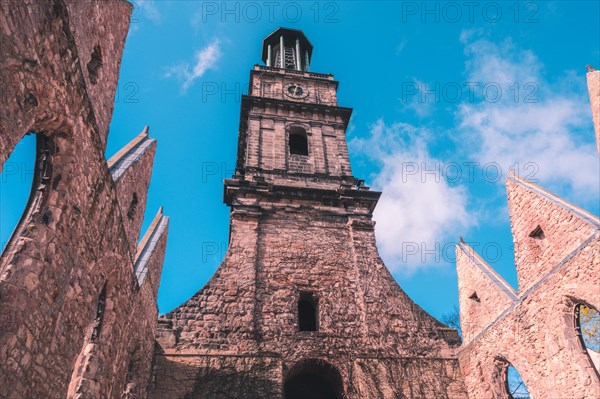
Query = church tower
x=301 y=306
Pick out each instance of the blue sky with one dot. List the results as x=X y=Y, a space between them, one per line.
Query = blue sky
x=434 y=86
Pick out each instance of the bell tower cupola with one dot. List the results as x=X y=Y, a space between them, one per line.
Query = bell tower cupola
x=287 y=49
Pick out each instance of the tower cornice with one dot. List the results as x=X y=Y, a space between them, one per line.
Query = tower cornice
x=247 y=101
x=345 y=194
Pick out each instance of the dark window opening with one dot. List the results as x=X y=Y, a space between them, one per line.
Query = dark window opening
x=298 y=141
x=314 y=379
x=308 y=312
x=537 y=233
x=474 y=297
x=100 y=309
x=130 y=371
x=515 y=385
x=95 y=63
x=132 y=206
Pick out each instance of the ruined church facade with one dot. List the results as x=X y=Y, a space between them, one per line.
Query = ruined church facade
x=535 y=328
x=301 y=306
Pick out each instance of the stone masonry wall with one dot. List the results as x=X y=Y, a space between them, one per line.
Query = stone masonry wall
x=563 y=232
x=248 y=309
x=535 y=330
x=537 y=336
x=267 y=152
x=58 y=74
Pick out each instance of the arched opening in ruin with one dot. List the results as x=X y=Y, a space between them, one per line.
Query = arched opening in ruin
x=514 y=383
x=298 y=141
x=15 y=186
x=308 y=312
x=132 y=210
x=313 y=379
x=27 y=178
x=587 y=327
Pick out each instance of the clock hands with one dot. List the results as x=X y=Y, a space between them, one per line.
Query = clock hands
x=295 y=90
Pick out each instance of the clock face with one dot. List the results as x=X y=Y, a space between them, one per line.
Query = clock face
x=295 y=90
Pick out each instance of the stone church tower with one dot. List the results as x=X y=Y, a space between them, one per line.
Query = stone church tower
x=302 y=306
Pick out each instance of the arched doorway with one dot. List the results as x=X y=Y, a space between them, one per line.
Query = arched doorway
x=313 y=379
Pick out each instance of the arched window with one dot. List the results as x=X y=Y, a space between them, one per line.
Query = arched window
x=315 y=379
x=308 y=312
x=587 y=325
x=515 y=385
x=298 y=141
x=15 y=186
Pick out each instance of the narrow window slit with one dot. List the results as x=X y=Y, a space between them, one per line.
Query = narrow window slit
x=474 y=297
x=308 y=312
x=132 y=207
x=95 y=64
x=100 y=309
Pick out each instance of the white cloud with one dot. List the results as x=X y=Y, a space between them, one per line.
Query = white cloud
x=417 y=210
x=147 y=9
x=206 y=59
x=414 y=96
x=401 y=45
x=546 y=125
x=550 y=137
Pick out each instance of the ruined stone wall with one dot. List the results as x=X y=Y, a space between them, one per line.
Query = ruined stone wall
x=72 y=241
x=200 y=376
x=248 y=309
x=562 y=231
x=537 y=336
x=482 y=294
x=535 y=330
x=132 y=187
